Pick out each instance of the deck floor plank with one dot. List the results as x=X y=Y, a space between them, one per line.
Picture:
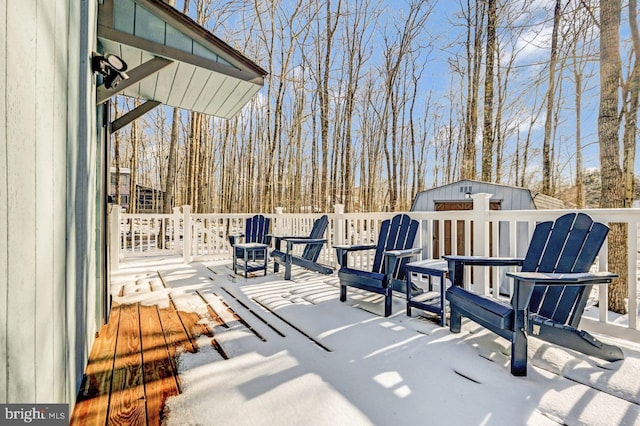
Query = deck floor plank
x=127 y=405
x=159 y=374
x=175 y=333
x=93 y=397
x=132 y=368
x=190 y=321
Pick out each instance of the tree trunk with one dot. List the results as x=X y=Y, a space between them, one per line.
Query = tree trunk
x=474 y=55
x=579 y=175
x=487 y=130
x=612 y=195
x=631 y=110
x=551 y=94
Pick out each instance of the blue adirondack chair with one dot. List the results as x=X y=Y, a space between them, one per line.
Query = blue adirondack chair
x=309 y=257
x=256 y=231
x=393 y=250
x=550 y=291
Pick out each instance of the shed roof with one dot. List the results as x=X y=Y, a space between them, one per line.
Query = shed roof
x=173 y=60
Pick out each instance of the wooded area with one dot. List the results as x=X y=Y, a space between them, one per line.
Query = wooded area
x=345 y=117
x=356 y=109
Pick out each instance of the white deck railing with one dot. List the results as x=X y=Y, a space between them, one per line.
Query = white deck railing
x=480 y=231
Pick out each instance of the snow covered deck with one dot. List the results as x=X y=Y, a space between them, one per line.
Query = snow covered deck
x=288 y=352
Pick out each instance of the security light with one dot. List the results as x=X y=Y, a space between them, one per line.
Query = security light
x=111 y=67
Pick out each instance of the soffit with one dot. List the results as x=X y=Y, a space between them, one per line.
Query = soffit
x=197 y=72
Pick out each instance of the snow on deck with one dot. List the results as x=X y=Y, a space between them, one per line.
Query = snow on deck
x=296 y=355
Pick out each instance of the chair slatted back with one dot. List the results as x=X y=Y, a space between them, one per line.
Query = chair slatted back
x=312 y=251
x=397 y=233
x=256 y=229
x=570 y=244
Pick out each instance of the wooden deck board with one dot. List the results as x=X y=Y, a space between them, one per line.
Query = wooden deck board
x=159 y=374
x=132 y=368
x=190 y=324
x=127 y=405
x=93 y=397
x=195 y=330
x=174 y=332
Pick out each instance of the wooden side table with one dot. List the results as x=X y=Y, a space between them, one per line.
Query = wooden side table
x=432 y=268
x=253 y=258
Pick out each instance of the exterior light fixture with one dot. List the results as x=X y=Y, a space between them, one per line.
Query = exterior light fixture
x=111 y=67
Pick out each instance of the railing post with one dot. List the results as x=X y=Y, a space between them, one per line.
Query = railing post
x=339 y=227
x=186 y=237
x=481 y=203
x=277 y=226
x=339 y=224
x=114 y=237
x=176 y=230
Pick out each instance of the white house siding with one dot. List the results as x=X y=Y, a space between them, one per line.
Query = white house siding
x=47 y=198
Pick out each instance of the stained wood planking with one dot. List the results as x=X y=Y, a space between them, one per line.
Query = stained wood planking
x=174 y=332
x=159 y=374
x=93 y=397
x=132 y=367
x=190 y=322
x=127 y=405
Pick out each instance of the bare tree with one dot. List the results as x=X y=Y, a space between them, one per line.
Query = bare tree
x=612 y=194
x=474 y=19
x=551 y=93
x=631 y=96
x=487 y=129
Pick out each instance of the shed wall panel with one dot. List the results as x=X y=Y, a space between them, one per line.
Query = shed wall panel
x=3 y=206
x=21 y=127
x=33 y=133
x=45 y=222
x=81 y=196
x=59 y=364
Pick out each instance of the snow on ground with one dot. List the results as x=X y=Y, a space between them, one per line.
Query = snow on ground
x=323 y=362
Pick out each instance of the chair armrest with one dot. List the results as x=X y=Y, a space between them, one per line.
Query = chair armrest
x=580 y=278
x=485 y=260
x=279 y=238
x=302 y=240
x=234 y=239
x=282 y=237
x=392 y=257
x=343 y=250
x=400 y=254
x=355 y=247
x=456 y=264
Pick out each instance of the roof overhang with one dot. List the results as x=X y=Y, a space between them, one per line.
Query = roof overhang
x=174 y=61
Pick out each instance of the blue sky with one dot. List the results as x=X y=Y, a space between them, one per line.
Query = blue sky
x=533 y=48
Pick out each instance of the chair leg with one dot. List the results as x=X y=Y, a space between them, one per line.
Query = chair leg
x=388 y=298
x=287 y=269
x=519 y=354
x=343 y=293
x=455 y=321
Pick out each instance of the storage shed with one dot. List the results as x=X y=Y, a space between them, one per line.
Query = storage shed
x=456 y=196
